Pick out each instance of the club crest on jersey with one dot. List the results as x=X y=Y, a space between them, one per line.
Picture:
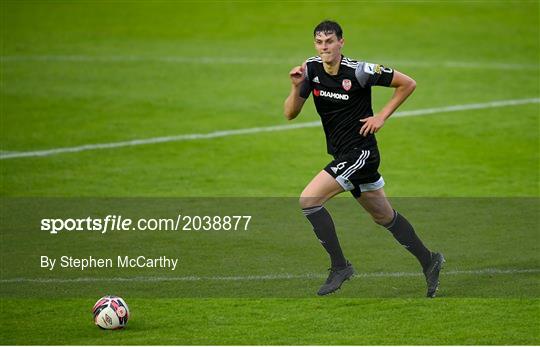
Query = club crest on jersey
x=346 y=84
x=316 y=79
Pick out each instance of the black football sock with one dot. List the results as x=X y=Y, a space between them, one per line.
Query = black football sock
x=326 y=233
x=404 y=233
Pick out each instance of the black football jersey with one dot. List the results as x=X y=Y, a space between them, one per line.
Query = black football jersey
x=343 y=99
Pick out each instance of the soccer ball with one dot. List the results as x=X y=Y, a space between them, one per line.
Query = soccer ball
x=111 y=312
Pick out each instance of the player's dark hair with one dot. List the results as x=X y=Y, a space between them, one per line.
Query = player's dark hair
x=328 y=27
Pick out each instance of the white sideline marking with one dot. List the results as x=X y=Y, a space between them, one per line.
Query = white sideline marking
x=233 y=132
x=261 y=277
x=79 y=58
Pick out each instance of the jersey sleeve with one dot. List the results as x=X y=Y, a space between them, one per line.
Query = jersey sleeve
x=369 y=74
x=305 y=88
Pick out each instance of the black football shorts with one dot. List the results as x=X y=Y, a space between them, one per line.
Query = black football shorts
x=357 y=171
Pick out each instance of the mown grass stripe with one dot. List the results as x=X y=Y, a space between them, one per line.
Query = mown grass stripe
x=246 y=131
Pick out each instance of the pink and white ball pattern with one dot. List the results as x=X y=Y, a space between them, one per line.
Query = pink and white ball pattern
x=111 y=312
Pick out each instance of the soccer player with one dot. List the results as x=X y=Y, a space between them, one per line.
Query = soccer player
x=341 y=89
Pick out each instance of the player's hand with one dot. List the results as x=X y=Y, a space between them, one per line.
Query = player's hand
x=297 y=75
x=371 y=125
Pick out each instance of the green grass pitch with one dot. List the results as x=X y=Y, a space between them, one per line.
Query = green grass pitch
x=75 y=73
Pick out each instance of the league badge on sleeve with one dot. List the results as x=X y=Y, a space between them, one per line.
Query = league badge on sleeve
x=346 y=84
x=369 y=68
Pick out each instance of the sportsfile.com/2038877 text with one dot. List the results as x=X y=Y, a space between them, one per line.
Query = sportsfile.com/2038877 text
x=119 y=223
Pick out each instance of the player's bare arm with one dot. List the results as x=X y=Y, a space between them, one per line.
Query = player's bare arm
x=404 y=86
x=294 y=102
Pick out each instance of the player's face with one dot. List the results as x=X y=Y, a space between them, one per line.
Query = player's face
x=328 y=47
